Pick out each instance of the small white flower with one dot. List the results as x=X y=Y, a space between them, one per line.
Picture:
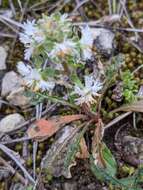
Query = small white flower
x=33 y=78
x=88 y=91
x=67 y=47
x=23 y=69
x=28 y=53
x=65 y=18
x=29 y=74
x=29 y=27
x=28 y=31
x=25 y=39
x=29 y=36
x=44 y=85
x=86 y=41
x=31 y=33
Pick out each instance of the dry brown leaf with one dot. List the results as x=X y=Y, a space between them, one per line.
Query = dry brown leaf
x=54 y=160
x=83 y=154
x=134 y=107
x=97 y=144
x=43 y=129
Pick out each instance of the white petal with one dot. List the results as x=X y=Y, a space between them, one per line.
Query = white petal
x=87 y=53
x=25 y=39
x=45 y=85
x=78 y=90
x=66 y=47
x=23 y=69
x=28 y=53
x=29 y=27
x=86 y=42
x=34 y=75
x=88 y=81
x=87 y=36
x=89 y=90
x=64 y=17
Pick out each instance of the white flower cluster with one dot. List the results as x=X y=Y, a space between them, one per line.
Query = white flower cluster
x=36 y=34
x=67 y=47
x=33 y=79
x=52 y=38
x=89 y=91
x=47 y=33
x=31 y=37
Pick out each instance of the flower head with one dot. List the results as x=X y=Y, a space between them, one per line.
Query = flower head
x=28 y=32
x=29 y=27
x=88 y=92
x=30 y=37
x=28 y=53
x=32 y=78
x=86 y=42
x=67 y=47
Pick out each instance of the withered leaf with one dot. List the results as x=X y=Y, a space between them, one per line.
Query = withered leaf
x=136 y=106
x=54 y=160
x=97 y=144
x=83 y=152
x=43 y=129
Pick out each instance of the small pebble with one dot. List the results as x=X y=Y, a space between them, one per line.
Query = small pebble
x=11 y=122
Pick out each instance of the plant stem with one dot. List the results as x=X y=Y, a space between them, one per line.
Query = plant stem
x=57 y=100
x=66 y=69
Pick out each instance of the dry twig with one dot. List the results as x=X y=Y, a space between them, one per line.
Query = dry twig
x=9 y=152
x=13 y=171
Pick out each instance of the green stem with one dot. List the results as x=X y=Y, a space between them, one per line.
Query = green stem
x=57 y=100
x=66 y=69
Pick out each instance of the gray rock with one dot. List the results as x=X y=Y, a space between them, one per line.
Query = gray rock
x=104 y=41
x=69 y=186
x=3 y=56
x=18 y=98
x=91 y=186
x=10 y=82
x=132 y=150
x=11 y=122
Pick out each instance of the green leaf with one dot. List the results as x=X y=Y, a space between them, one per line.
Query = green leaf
x=129 y=86
x=73 y=149
x=113 y=66
x=110 y=162
x=49 y=72
x=108 y=174
x=102 y=175
x=111 y=165
x=57 y=100
x=29 y=188
x=76 y=80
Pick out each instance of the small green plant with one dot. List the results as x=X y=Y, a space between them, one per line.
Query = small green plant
x=54 y=54
x=129 y=86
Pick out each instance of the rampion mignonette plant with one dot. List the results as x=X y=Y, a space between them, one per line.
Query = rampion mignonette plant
x=55 y=50
x=57 y=53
